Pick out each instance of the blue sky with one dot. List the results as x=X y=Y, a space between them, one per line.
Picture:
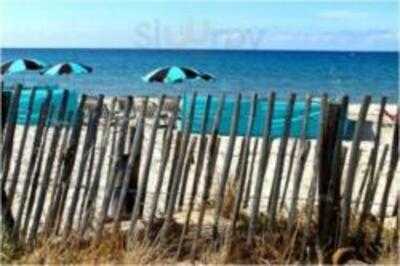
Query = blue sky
x=293 y=25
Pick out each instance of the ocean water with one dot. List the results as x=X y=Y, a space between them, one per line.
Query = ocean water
x=119 y=72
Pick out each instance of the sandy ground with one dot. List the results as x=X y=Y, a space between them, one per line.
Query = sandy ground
x=366 y=145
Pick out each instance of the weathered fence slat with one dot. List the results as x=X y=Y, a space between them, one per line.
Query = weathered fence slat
x=350 y=175
x=177 y=148
x=394 y=159
x=130 y=167
x=177 y=175
x=88 y=207
x=122 y=141
x=141 y=193
x=298 y=176
x=242 y=174
x=48 y=168
x=21 y=151
x=6 y=220
x=372 y=164
x=262 y=166
x=198 y=170
x=8 y=138
x=142 y=189
x=61 y=153
x=187 y=165
x=305 y=122
x=311 y=195
x=209 y=172
x=113 y=155
x=123 y=136
x=212 y=153
x=370 y=195
x=239 y=161
x=36 y=175
x=280 y=161
x=309 y=210
x=378 y=175
x=89 y=143
x=251 y=171
x=303 y=137
x=289 y=173
x=88 y=180
x=32 y=161
x=363 y=183
x=226 y=166
x=161 y=173
x=54 y=215
x=377 y=139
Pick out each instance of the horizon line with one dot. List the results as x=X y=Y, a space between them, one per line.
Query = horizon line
x=205 y=49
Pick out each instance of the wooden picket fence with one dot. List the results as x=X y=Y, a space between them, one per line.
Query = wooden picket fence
x=80 y=167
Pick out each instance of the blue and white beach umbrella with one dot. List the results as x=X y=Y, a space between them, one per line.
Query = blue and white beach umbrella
x=21 y=65
x=67 y=69
x=175 y=74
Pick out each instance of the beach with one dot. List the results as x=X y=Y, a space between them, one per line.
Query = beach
x=200 y=132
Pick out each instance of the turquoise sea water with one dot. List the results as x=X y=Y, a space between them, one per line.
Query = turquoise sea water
x=261 y=110
x=40 y=96
x=119 y=72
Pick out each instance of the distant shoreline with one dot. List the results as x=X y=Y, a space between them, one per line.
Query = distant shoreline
x=202 y=49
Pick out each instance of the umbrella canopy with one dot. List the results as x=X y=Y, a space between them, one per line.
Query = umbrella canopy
x=20 y=65
x=175 y=74
x=67 y=69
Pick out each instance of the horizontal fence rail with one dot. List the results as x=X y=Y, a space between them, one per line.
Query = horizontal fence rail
x=139 y=165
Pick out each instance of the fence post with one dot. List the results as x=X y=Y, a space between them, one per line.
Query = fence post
x=329 y=178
